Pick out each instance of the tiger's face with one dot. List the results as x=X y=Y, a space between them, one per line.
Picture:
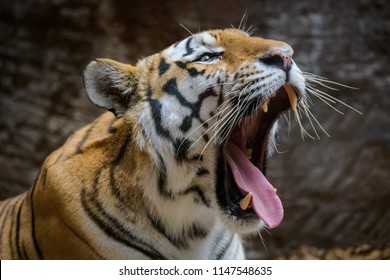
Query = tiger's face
x=207 y=110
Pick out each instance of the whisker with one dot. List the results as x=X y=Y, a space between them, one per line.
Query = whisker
x=287 y=119
x=319 y=96
x=276 y=148
x=185 y=28
x=251 y=30
x=243 y=21
x=311 y=123
x=312 y=89
x=317 y=78
x=304 y=133
x=315 y=119
x=319 y=92
x=262 y=240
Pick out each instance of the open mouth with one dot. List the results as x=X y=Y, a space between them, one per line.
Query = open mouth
x=244 y=191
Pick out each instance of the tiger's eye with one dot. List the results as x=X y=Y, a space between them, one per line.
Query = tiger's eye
x=205 y=58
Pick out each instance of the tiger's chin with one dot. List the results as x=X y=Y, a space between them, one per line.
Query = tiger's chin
x=247 y=199
x=243 y=222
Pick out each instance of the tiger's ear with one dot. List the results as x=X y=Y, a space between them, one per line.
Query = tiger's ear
x=111 y=85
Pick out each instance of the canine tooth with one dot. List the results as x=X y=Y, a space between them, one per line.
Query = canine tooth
x=292 y=96
x=244 y=203
x=248 y=153
x=265 y=107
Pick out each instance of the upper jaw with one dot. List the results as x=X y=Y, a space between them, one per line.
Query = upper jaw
x=287 y=97
x=252 y=133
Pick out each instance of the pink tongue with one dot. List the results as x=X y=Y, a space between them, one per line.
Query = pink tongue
x=249 y=178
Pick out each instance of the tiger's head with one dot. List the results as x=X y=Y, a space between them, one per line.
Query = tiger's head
x=207 y=110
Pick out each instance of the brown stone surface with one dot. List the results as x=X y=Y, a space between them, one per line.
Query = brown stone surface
x=336 y=191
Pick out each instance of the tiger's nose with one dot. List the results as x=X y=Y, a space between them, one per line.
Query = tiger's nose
x=281 y=58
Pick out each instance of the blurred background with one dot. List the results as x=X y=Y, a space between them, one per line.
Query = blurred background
x=336 y=191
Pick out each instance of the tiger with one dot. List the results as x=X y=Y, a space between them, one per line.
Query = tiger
x=176 y=167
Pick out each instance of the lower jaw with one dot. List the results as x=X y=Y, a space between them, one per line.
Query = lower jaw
x=229 y=197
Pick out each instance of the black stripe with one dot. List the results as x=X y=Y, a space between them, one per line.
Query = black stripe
x=5 y=219
x=221 y=177
x=226 y=246
x=10 y=243
x=161 y=181
x=194 y=72
x=163 y=67
x=199 y=192
x=186 y=124
x=46 y=169
x=85 y=137
x=122 y=150
x=197 y=157
x=116 y=162
x=202 y=171
x=17 y=237
x=55 y=161
x=4 y=206
x=24 y=255
x=189 y=50
x=181 y=64
x=33 y=235
x=156 y=114
x=58 y=158
x=44 y=176
x=197 y=232
x=209 y=92
x=214 y=35
x=170 y=87
x=176 y=44
x=182 y=147
x=220 y=96
x=114 y=187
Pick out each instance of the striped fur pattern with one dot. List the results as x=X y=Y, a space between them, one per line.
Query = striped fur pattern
x=146 y=180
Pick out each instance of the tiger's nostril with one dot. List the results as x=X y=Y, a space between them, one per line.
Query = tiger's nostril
x=274 y=60
x=279 y=58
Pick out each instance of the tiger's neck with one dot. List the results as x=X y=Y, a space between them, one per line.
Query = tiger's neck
x=178 y=198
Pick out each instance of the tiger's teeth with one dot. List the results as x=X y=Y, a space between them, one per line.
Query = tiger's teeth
x=292 y=96
x=265 y=107
x=244 y=203
x=248 y=153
